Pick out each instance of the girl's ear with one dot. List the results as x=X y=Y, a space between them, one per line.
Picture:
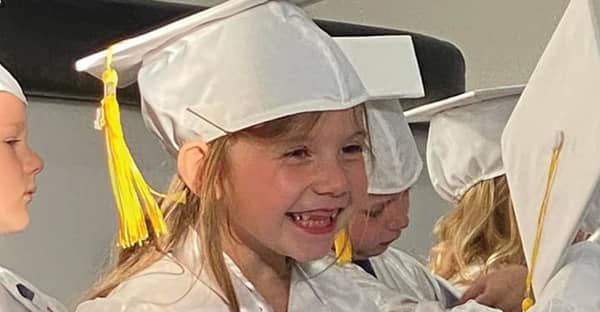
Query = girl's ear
x=190 y=161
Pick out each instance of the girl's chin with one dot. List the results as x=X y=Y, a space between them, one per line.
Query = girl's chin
x=310 y=253
x=14 y=226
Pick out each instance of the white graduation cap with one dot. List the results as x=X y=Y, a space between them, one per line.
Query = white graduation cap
x=9 y=84
x=230 y=67
x=463 y=145
x=561 y=100
x=388 y=67
x=397 y=164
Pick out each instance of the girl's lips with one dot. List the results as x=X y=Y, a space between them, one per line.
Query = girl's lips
x=318 y=222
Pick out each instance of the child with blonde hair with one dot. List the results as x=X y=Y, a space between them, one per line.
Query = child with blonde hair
x=480 y=233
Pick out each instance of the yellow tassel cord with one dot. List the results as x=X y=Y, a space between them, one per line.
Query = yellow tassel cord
x=132 y=194
x=343 y=246
x=529 y=300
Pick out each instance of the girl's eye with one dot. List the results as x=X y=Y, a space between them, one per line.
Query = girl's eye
x=353 y=149
x=298 y=153
x=390 y=201
x=374 y=212
x=12 y=142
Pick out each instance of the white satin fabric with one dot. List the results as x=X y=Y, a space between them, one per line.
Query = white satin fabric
x=401 y=271
x=576 y=286
x=18 y=295
x=591 y=219
x=9 y=84
x=171 y=285
x=397 y=164
x=463 y=147
x=235 y=65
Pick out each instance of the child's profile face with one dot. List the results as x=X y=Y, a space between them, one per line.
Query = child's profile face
x=19 y=165
x=290 y=197
x=378 y=224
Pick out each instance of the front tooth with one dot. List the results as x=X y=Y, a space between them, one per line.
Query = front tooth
x=304 y=217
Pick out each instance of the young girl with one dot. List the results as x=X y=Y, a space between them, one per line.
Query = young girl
x=465 y=165
x=19 y=166
x=261 y=109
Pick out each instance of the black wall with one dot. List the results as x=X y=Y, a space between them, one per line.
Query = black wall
x=40 y=41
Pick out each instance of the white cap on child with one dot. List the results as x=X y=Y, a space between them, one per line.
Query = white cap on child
x=397 y=163
x=561 y=100
x=233 y=66
x=9 y=84
x=387 y=65
x=463 y=146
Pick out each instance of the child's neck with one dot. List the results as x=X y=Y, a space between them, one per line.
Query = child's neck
x=268 y=271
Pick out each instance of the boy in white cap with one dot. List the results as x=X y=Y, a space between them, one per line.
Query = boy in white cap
x=396 y=167
x=550 y=147
x=19 y=166
x=395 y=164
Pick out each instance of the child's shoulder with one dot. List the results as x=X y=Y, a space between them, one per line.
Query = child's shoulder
x=166 y=285
x=17 y=294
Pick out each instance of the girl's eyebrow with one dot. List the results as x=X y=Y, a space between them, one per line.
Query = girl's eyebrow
x=303 y=137
x=359 y=134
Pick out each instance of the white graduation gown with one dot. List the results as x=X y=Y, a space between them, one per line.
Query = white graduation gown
x=171 y=285
x=401 y=271
x=18 y=295
x=576 y=286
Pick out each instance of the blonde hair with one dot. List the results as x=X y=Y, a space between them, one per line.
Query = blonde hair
x=481 y=230
x=205 y=210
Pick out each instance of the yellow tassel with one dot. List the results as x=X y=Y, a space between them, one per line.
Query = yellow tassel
x=343 y=246
x=132 y=194
x=527 y=303
x=529 y=300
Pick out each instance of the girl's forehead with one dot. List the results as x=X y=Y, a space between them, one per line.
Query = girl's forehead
x=13 y=110
x=308 y=126
x=345 y=121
